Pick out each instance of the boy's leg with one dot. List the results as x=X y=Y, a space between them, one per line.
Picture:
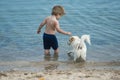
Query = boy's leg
x=56 y=52
x=47 y=52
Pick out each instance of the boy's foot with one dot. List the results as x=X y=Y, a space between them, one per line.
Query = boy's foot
x=56 y=55
x=47 y=57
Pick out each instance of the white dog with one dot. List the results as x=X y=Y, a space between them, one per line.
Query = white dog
x=79 y=47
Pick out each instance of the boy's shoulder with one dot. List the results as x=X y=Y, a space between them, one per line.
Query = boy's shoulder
x=51 y=18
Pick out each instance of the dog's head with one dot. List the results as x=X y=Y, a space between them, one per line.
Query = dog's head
x=73 y=39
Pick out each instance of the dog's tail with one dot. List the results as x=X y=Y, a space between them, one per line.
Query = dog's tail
x=86 y=38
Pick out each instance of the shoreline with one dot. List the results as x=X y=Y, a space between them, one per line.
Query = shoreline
x=60 y=65
x=55 y=70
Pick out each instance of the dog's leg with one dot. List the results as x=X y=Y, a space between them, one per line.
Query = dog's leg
x=70 y=53
x=83 y=56
x=75 y=57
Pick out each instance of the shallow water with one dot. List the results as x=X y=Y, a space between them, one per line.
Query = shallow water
x=37 y=66
x=19 y=21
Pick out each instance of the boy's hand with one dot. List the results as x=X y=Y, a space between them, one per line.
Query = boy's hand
x=69 y=33
x=38 y=31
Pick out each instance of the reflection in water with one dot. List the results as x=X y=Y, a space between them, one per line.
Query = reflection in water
x=71 y=58
x=49 y=58
x=51 y=66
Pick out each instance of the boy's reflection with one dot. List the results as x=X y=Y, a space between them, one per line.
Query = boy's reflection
x=51 y=66
x=49 y=58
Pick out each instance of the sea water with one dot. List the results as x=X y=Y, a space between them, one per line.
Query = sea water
x=19 y=20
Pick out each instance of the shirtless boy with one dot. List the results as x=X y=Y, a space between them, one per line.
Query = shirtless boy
x=52 y=25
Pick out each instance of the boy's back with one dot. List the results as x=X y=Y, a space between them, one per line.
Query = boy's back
x=50 y=25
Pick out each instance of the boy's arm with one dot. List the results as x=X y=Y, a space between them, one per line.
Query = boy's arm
x=41 y=25
x=60 y=30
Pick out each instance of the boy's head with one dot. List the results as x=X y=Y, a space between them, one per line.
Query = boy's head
x=58 y=10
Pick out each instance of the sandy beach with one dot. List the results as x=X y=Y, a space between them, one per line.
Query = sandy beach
x=62 y=75
x=52 y=70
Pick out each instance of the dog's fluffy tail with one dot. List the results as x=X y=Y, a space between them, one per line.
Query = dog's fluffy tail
x=86 y=38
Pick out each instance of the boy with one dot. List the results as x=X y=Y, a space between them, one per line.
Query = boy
x=52 y=25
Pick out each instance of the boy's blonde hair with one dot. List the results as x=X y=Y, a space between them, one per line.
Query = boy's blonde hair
x=58 y=10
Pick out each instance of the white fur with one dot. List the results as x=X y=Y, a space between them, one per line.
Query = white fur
x=78 y=45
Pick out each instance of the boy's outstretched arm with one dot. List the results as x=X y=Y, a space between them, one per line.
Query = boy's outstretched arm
x=60 y=30
x=40 y=27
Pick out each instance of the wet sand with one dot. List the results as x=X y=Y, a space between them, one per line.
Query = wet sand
x=80 y=74
x=56 y=70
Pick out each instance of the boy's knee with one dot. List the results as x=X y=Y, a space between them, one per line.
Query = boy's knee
x=47 y=52
x=56 y=51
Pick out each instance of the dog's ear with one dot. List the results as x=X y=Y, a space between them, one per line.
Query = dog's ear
x=71 y=39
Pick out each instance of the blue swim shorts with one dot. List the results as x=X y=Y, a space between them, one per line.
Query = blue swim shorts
x=49 y=41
